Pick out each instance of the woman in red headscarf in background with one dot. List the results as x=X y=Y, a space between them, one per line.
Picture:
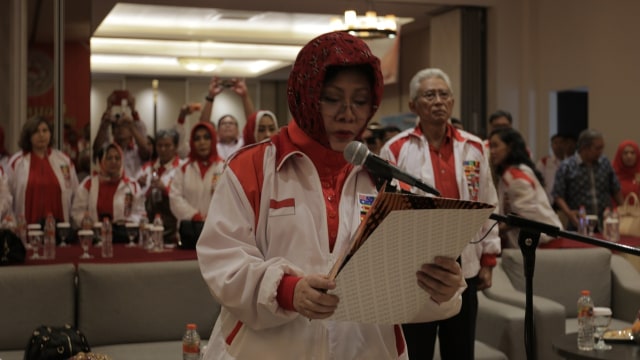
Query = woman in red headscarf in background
x=626 y=164
x=109 y=193
x=260 y=125
x=287 y=207
x=195 y=181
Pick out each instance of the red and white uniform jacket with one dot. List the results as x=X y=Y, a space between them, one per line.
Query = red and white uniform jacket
x=6 y=200
x=275 y=223
x=128 y=204
x=169 y=172
x=410 y=151
x=18 y=175
x=191 y=191
x=521 y=193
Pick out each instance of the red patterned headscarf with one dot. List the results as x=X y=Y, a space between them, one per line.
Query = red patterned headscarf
x=306 y=79
x=626 y=172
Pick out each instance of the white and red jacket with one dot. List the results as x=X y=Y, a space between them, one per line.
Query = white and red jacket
x=86 y=199
x=270 y=222
x=410 y=151
x=18 y=175
x=169 y=172
x=6 y=200
x=521 y=193
x=191 y=191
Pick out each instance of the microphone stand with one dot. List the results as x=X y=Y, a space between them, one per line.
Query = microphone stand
x=528 y=239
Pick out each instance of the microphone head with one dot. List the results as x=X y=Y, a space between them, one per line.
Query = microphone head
x=356 y=153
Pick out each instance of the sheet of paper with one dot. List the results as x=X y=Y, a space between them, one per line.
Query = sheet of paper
x=378 y=284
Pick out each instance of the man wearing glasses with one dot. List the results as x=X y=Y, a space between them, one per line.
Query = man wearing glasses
x=452 y=161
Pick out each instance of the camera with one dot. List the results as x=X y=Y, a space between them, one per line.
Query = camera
x=227 y=83
x=120 y=111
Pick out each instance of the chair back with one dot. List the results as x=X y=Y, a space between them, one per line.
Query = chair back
x=560 y=275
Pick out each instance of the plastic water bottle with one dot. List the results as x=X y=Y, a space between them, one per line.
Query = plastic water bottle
x=107 y=238
x=614 y=226
x=158 y=230
x=191 y=343
x=585 y=321
x=605 y=225
x=582 y=220
x=142 y=231
x=156 y=193
x=49 y=237
x=21 y=229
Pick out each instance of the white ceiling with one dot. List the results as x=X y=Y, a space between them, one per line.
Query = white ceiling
x=150 y=39
x=253 y=38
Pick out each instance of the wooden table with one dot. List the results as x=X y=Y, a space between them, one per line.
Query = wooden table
x=567 y=346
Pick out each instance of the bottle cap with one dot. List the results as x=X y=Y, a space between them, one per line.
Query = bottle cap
x=191 y=326
x=585 y=292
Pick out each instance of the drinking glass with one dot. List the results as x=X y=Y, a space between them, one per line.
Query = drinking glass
x=86 y=238
x=30 y=227
x=63 y=231
x=592 y=222
x=132 y=231
x=35 y=239
x=601 y=321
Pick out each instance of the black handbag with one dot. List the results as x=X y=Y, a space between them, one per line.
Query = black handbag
x=189 y=233
x=55 y=343
x=12 y=250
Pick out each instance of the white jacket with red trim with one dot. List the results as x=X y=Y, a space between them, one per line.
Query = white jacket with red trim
x=409 y=150
x=190 y=192
x=6 y=200
x=244 y=251
x=167 y=176
x=86 y=199
x=521 y=193
x=18 y=175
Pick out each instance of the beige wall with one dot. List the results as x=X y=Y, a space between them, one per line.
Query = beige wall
x=541 y=46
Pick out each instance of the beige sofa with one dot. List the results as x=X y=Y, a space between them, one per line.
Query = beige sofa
x=131 y=311
x=559 y=276
x=134 y=311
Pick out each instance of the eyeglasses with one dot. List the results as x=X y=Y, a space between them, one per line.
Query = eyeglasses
x=431 y=95
x=332 y=107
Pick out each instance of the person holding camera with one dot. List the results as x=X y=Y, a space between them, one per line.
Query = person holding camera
x=228 y=129
x=127 y=130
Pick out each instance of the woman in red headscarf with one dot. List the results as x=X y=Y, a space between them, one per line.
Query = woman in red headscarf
x=626 y=164
x=287 y=207
x=109 y=193
x=195 y=181
x=260 y=125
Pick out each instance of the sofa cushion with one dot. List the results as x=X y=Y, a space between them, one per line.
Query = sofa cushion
x=32 y=296
x=143 y=302
x=560 y=275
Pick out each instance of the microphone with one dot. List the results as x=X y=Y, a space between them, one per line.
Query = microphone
x=357 y=153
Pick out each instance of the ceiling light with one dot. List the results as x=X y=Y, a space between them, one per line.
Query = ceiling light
x=369 y=26
x=198 y=64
